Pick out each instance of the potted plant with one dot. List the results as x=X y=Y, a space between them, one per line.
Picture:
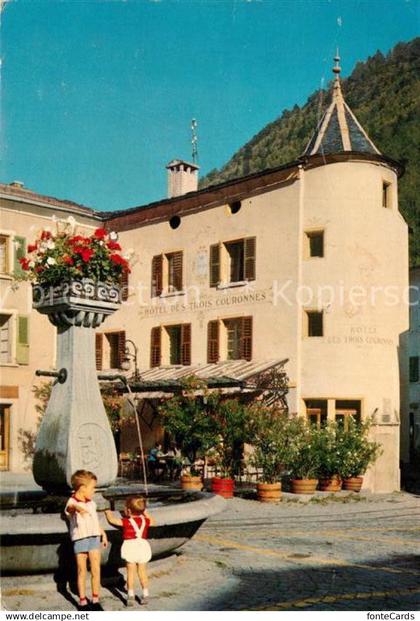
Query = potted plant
x=268 y=430
x=186 y=419
x=302 y=457
x=231 y=418
x=358 y=453
x=329 y=442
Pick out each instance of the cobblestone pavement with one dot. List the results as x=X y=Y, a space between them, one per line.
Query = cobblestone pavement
x=358 y=552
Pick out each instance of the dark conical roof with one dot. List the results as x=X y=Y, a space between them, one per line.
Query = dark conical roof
x=339 y=130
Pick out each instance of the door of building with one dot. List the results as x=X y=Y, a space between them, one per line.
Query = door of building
x=4 y=436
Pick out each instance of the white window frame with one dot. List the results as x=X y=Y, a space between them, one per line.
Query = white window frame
x=13 y=319
x=8 y=275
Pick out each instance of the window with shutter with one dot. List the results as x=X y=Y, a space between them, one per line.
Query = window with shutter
x=22 y=339
x=155 y=347
x=157 y=275
x=120 y=348
x=214 y=265
x=213 y=341
x=124 y=284
x=20 y=252
x=98 y=350
x=174 y=271
x=186 y=344
x=249 y=252
x=246 y=338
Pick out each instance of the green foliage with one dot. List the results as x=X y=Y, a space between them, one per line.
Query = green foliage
x=384 y=94
x=268 y=432
x=202 y=422
x=303 y=457
x=358 y=451
x=187 y=420
x=231 y=417
x=330 y=446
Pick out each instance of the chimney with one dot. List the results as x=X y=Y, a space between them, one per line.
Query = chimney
x=182 y=178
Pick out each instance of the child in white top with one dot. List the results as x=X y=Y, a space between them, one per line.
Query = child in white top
x=86 y=534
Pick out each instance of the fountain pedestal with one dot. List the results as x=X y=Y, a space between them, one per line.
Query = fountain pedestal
x=75 y=431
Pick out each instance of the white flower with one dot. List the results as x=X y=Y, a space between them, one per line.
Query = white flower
x=50 y=244
x=31 y=264
x=51 y=261
x=101 y=243
x=113 y=236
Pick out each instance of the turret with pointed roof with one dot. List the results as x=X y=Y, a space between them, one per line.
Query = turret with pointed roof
x=339 y=130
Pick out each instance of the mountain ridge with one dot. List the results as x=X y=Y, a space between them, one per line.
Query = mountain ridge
x=384 y=94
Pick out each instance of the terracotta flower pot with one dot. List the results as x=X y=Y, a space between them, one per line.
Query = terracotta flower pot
x=303 y=486
x=222 y=487
x=269 y=492
x=353 y=484
x=190 y=482
x=331 y=484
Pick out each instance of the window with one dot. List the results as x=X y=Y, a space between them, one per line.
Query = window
x=386 y=194
x=346 y=409
x=233 y=329
x=4 y=254
x=174 y=333
x=110 y=350
x=229 y=339
x=170 y=345
x=314 y=323
x=315 y=243
x=174 y=261
x=233 y=261
x=316 y=411
x=5 y=339
x=167 y=273
x=414 y=369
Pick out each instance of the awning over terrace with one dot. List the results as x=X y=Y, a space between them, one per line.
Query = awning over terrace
x=229 y=376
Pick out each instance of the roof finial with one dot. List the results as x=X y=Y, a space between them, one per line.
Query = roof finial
x=337 y=70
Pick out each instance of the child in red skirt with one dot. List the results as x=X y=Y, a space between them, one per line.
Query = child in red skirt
x=135 y=549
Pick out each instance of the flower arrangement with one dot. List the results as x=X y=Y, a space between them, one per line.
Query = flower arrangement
x=65 y=255
x=330 y=445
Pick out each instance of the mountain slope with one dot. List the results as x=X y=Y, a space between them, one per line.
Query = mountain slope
x=384 y=94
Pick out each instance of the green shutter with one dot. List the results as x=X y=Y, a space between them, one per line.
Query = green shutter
x=22 y=339
x=19 y=244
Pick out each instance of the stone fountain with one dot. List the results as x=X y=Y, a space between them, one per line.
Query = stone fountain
x=74 y=434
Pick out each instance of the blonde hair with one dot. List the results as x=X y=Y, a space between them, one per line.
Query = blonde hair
x=136 y=505
x=81 y=477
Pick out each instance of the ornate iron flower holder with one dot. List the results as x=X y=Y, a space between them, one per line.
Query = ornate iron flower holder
x=75 y=432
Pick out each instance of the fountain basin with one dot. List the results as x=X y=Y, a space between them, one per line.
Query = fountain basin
x=39 y=542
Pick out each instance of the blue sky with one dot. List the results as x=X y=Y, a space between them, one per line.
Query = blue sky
x=97 y=96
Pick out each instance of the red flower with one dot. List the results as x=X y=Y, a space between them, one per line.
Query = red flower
x=118 y=260
x=68 y=260
x=39 y=269
x=86 y=254
x=45 y=234
x=100 y=233
x=77 y=239
x=32 y=247
x=112 y=245
x=24 y=263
